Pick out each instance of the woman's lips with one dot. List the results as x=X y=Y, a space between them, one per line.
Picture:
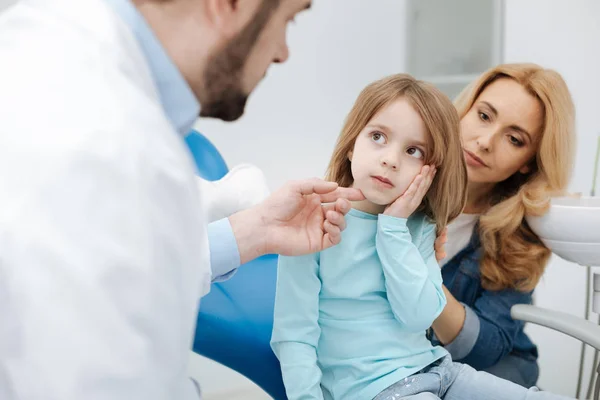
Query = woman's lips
x=473 y=160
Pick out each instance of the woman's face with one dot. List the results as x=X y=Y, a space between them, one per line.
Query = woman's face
x=501 y=132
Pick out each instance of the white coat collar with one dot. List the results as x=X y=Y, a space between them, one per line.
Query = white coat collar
x=177 y=98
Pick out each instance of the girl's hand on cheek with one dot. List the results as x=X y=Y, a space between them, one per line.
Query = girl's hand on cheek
x=405 y=205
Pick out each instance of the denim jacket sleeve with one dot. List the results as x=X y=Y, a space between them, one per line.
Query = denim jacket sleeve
x=489 y=330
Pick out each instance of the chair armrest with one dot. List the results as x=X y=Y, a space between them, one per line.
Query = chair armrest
x=579 y=328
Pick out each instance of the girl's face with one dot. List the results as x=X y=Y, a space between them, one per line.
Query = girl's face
x=501 y=132
x=388 y=153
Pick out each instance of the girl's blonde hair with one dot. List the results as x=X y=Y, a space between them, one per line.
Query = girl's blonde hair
x=447 y=195
x=513 y=256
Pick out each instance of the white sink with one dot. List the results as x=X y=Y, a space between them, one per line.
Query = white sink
x=571 y=229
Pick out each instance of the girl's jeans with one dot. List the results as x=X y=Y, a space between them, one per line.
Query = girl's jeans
x=448 y=380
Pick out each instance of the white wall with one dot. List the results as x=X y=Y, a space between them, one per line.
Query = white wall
x=6 y=3
x=563 y=35
x=293 y=119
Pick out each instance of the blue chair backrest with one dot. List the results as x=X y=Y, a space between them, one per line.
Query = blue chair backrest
x=236 y=318
x=209 y=162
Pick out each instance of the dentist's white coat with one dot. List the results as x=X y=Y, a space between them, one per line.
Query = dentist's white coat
x=103 y=248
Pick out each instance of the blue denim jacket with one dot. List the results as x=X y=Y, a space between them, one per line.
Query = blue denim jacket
x=490 y=338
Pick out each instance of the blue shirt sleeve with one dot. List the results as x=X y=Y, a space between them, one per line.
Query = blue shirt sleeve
x=296 y=329
x=497 y=329
x=224 y=253
x=413 y=279
x=489 y=331
x=464 y=343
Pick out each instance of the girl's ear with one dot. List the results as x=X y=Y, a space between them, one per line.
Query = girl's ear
x=350 y=155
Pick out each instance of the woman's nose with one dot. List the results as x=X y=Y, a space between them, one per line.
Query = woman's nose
x=485 y=141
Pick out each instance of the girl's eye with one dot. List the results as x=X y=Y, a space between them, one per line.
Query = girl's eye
x=484 y=117
x=378 y=137
x=415 y=152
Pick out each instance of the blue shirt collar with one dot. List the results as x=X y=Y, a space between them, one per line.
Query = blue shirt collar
x=177 y=98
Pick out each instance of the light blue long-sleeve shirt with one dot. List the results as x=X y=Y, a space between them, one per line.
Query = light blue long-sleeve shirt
x=351 y=321
x=182 y=109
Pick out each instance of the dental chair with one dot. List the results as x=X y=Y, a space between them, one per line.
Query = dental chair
x=570 y=230
x=236 y=317
x=581 y=329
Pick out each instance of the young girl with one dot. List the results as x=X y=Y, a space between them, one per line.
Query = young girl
x=350 y=322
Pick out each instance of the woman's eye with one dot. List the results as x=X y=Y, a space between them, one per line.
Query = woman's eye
x=484 y=117
x=415 y=152
x=515 y=141
x=378 y=137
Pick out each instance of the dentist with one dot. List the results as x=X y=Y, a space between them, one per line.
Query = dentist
x=104 y=250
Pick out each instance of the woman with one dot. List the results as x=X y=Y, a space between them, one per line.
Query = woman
x=517 y=127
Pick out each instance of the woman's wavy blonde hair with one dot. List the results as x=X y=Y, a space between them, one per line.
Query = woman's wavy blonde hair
x=513 y=256
x=447 y=195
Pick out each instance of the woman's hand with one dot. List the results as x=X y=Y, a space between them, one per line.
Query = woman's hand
x=440 y=242
x=405 y=205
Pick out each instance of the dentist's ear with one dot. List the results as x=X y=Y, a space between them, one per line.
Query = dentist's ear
x=227 y=16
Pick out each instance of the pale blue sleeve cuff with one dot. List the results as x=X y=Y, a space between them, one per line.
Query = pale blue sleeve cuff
x=462 y=345
x=224 y=252
x=390 y=223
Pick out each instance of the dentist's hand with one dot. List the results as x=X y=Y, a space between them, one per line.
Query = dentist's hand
x=405 y=205
x=294 y=220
